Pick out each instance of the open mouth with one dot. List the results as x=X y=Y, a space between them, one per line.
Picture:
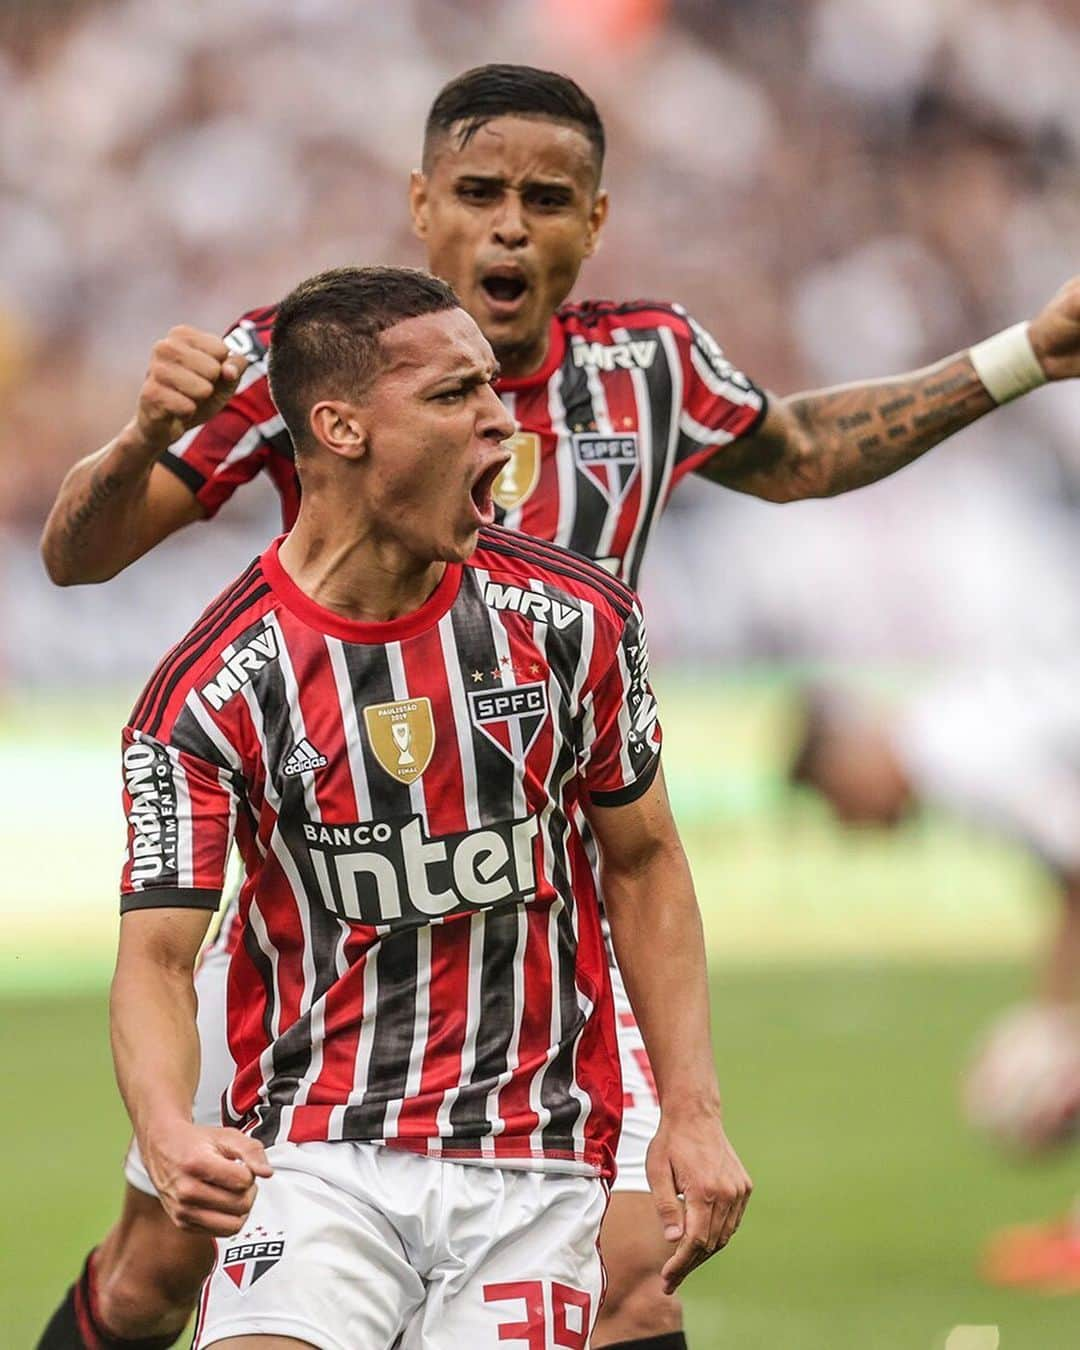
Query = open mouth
x=504 y=288
x=480 y=492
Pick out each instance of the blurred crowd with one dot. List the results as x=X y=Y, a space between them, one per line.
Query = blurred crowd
x=840 y=188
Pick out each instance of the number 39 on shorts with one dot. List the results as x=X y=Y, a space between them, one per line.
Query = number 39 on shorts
x=547 y=1316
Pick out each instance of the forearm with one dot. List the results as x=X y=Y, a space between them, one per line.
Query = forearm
x=656 y=930
x=855 y=434
x=90 y=533
x=154 y=1041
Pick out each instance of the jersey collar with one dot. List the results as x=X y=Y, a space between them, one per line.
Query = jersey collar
x=352 y=630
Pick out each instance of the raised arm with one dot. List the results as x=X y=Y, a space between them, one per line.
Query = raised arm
x=829 y=441
x=656 y=928
x=118 y=503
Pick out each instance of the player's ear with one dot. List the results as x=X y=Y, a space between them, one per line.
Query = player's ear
x=598 y=215
x=418 y=203
x=340 y=428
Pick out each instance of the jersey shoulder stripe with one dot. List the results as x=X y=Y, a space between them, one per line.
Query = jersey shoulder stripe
x=231 y=617
x=627 y=314
x=201 y=626
x=551 y=558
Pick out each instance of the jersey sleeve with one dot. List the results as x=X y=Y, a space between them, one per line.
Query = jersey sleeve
x=719 y=405
x=621 y=737
x=181 y=815
x=236 y=443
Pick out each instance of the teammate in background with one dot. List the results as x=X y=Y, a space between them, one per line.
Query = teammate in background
x=419 y=1005
x=1001 y=750
x=614 y=405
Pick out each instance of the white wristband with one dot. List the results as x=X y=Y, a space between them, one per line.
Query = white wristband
x=1006 y=364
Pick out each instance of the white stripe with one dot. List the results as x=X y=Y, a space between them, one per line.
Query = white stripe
x=353 y=746
x=671 y=351
x=718 y=387
x=211 y=729
x=564 y=461
x=643 y=401
x=307 y=1002
x=462 y=721
x=185 y=873
x=697 y=431
x=615 y=494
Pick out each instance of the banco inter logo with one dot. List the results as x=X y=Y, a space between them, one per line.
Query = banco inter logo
x=391 y=872
x=240 y=667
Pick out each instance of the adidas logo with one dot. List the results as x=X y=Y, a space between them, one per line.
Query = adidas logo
x=304 y=759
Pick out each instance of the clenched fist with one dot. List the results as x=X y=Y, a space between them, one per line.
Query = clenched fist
x=205 y=1176
x=191 y=376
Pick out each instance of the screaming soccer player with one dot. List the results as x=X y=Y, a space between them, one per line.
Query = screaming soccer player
x=614 y=404
x=419 y=1008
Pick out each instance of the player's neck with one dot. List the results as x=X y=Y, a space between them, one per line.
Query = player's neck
x=359 y=575
x=520 y=360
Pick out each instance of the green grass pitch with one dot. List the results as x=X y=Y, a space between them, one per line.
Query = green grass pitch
x=871 y=1197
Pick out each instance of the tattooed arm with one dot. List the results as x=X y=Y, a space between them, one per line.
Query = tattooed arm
x=830 y=441
x=116 y=504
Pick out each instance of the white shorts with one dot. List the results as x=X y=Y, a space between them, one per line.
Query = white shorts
x=216 y=1066
x=641 y=1112
x=354 y=1245
x=641 y=1109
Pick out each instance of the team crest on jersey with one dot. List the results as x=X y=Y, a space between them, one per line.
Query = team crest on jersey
x=518 y=478
x=251 y=1255
x=402 y=736
x=499 y=711
x=611 y=461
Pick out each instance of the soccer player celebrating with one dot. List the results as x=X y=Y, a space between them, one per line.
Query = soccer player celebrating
x=613 y=405
x=403 y=717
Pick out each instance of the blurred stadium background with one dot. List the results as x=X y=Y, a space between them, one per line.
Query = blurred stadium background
x=842 y=188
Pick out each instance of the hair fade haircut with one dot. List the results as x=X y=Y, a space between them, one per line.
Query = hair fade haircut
x=325 y=342
x=471 y=100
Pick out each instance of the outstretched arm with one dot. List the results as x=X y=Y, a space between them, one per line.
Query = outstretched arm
x=118 y=503
x=829 y=441
x=656 y=927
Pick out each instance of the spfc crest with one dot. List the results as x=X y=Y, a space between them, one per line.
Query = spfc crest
x=609 y=461
x=518 y=478
x=250 y=1256
x=510 y=715
x=402 y=736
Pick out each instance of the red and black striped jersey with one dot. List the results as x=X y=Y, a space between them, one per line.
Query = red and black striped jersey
x=419 y=958
x=631 y=398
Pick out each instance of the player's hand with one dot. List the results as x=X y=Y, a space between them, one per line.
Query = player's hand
x=700 y=1187
x=205 y=1177
x=191 y=376
x=1055 y=333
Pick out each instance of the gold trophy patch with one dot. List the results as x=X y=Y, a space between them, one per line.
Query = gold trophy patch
x=402 y=735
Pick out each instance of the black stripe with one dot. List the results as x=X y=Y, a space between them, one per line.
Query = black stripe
x=544 y=549
x=551 y=566
x=631 y=792
x=181 y=669
x=265 y=971
x=660 y=386
x=172 y=897
x=148 y=695
x=187 y=473
x=395 y=955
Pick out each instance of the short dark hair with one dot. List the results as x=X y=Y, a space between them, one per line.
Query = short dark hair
x=501 y=90
x=325 y=342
